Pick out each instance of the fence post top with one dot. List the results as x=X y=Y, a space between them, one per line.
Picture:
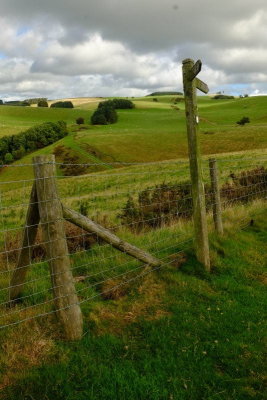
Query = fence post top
x=188 y=60
x=44 y=158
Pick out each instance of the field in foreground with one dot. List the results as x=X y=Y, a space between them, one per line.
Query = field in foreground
x=175 y=334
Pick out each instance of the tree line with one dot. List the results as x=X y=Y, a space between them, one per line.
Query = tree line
x=15 y=147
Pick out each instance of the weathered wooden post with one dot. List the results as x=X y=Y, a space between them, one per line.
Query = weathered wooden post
x=215 y=188
x=53 y=229
x=191 y=83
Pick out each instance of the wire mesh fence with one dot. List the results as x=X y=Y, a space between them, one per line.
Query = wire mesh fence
x=148 y=206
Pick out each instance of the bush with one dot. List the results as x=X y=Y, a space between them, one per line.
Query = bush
x=98 y=118
x=222 y=97
x=1 y=102
x=122 y=104
x=34 y=138
x=110 y=115
x=36 y=100
x=42 y=103
x=106 y=111
x=165 y=94
x=62 y=104
x=155 y=99
x=8 y=158
x=80 y=121
x=243 y=121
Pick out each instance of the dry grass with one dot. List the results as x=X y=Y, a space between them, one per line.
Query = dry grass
x=24 y=347
x=124 y=310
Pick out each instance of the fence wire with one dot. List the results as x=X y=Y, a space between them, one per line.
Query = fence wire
x=149 y=205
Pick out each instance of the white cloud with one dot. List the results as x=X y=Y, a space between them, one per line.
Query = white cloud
x=105 y=47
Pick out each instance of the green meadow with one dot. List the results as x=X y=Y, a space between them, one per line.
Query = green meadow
x=176 y=333
x=153 y=131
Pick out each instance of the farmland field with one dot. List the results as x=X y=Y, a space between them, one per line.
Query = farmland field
x=153 y=338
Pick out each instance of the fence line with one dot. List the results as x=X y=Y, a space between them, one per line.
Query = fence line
x=66 y=240
x=164 y=229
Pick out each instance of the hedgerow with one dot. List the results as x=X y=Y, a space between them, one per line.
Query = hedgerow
x=15 y=147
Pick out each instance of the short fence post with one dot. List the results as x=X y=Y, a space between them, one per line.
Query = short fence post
x=215 y=188
x=53 y=228
x=190 y=71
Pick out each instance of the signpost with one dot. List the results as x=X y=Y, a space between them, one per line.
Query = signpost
x=191 y=83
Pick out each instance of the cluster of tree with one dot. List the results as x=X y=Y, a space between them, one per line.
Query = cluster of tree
x=243 y=121
x=20 y=103
x=16 y=146
x=36 y=100
x=166 y=94
x=241 y=96
x=62 y=104
x=120 y=104
x=42 y=103
x=106 y=111
x=222 y=97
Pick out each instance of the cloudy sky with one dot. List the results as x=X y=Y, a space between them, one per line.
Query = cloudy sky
x=70 y=48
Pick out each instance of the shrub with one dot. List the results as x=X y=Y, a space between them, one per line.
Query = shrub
x=162 y=204
x=98 y=118
x=222 y=97
x=71 y=166
x=123 y=104
x=155 y=99
x=110 y=115
x=165 y=94
x=36 y=100
x=106 y=111
x=62 y=104
x=42 y=103
x=8 y=158
x=243 y=121
x=80 y=121
x=1 y=102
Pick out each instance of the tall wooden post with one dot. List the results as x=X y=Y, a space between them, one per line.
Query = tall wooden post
x=217 y=209
x=191 y=83
x=52 y=223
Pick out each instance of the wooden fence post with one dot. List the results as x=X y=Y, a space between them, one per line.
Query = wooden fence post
x=53 y=228
x=191 y=83
x=217 y=209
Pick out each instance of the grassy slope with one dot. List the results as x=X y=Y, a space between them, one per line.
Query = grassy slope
x=175 y=334
x=151 y=343
x=155 y=131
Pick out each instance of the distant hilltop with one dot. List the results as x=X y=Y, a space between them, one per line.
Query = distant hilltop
x=165 y=94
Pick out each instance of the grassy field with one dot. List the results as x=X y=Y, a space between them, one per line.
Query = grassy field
x=154 y=131
x=172 y=334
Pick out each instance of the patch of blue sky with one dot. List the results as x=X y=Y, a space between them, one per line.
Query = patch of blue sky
x=22 y=30
x=234 y=89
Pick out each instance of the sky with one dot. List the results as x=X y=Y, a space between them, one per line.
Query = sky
x=88 y=48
